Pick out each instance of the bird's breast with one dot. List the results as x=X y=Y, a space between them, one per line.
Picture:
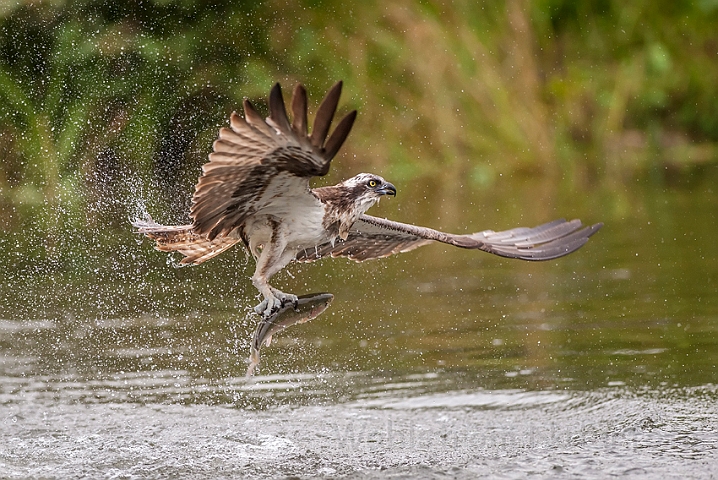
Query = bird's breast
x=300 y=225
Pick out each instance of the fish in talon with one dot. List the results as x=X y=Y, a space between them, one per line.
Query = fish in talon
x=306 y=307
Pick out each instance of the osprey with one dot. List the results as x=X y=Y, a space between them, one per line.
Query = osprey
x=255 y=190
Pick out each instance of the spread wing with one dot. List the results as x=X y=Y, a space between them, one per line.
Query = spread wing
x=372 y=237
x=258 y=162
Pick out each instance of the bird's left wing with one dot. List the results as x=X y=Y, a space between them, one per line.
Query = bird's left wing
x=372 y=237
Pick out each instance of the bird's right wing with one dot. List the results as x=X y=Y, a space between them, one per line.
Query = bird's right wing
x=258 y=164
x=372 y=237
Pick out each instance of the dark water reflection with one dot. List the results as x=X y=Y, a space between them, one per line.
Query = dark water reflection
x=614 y=349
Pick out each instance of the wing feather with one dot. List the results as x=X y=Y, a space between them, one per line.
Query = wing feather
x=277 y=113
x=299 y=111
x=255 y=155
x=255 y=120
x=372 y=237
x=340 y=134
x=325 y=114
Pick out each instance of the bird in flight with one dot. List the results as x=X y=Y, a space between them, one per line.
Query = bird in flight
x=255 y=189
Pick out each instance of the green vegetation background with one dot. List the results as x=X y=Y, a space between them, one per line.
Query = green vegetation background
x=107 y=108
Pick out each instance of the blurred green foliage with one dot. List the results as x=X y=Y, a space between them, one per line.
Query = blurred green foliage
x=108 y=106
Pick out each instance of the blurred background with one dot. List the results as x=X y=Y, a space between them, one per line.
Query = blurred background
x=103 y=104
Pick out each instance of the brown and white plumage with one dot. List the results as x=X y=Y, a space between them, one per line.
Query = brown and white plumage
x=255 y=160
x=255 y=189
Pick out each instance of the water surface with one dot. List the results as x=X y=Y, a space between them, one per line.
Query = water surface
x=432 y=363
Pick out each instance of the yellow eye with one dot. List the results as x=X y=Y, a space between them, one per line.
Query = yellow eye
x=372 y=183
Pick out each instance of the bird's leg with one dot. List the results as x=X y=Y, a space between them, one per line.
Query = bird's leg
x=272 y=259
x=271 y=302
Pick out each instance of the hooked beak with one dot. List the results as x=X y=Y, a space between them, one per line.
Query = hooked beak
x=387 y=189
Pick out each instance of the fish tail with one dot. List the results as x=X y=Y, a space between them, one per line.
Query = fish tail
x=253 y=361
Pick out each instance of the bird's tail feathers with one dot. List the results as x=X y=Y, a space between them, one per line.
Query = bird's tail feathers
x=196 y=248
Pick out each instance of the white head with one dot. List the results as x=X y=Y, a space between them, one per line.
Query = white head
x=366 y=189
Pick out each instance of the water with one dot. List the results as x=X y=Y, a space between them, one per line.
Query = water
x=57 y=431
x=435 y=363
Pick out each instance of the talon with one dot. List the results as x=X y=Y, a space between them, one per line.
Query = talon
x=292 y=300
x=266 y=309
x=259 y=309
x=271 y=305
